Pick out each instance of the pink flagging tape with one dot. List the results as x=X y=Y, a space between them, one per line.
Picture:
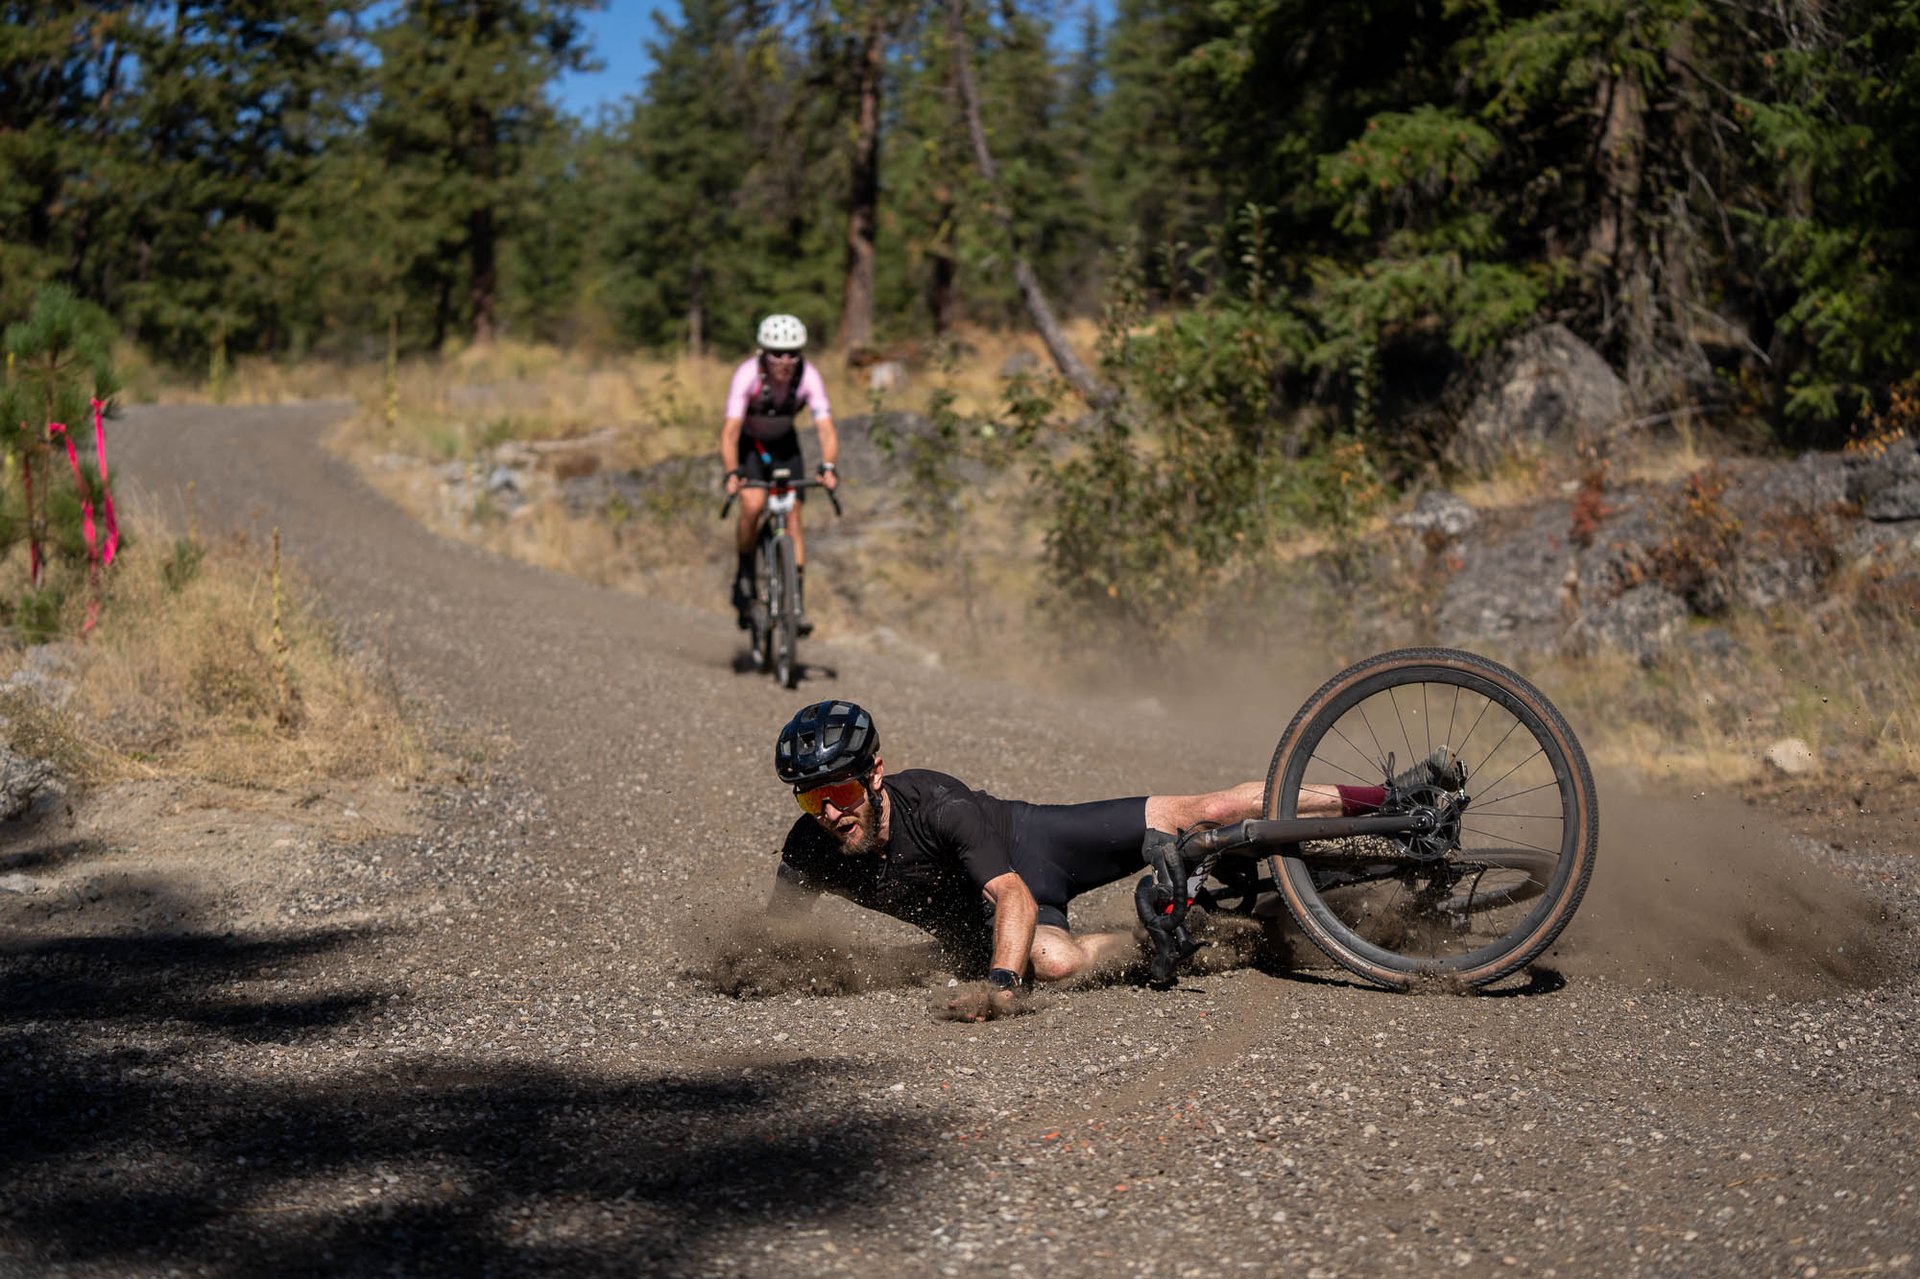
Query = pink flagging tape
x=106 y=491
x=79 y=482
x=33 y=541
x=86 y=512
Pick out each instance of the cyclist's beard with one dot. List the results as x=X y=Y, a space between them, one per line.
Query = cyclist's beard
x=864 y=835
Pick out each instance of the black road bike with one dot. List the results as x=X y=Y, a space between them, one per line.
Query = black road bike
x=1461 y=875
x=775 y=608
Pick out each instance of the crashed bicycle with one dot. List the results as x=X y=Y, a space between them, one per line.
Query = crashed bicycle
x=1460 y=870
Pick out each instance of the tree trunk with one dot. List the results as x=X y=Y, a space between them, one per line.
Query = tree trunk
x=482 y=247
x=943 y=294
x=696 y=310
x=856 y=307
x=1064 y=359
x=1616 y=248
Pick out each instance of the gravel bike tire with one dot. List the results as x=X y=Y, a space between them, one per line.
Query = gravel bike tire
x=786 y=615
x=1395 y=938
x=762 y=606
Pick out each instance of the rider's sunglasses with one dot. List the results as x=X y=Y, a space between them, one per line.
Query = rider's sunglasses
x=783 y=355
x=846 y=796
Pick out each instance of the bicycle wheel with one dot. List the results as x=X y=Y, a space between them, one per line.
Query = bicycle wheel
x=786 y=615
x=763 y=603
x=1488 y=890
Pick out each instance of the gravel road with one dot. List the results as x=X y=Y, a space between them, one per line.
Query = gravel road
x=511 y=1055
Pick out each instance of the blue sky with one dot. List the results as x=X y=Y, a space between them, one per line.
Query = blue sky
x=619 y=34
x=621 y=31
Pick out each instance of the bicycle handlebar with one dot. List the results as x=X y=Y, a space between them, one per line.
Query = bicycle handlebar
x=782 y=484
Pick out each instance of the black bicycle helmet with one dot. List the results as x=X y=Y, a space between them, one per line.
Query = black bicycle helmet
x=826 y=742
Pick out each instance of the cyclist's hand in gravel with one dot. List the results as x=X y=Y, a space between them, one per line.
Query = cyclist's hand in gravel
x=978 y=1001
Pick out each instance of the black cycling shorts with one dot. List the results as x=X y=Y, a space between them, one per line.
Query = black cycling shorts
x=759 y=458
x=1063 y=850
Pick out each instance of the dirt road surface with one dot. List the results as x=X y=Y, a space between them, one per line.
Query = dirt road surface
x=494 y=1044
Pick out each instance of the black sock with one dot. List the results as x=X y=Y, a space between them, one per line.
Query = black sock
x=744 y=573
x=800 y=581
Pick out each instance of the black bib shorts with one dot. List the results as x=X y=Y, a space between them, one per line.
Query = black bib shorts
x=1063 y=850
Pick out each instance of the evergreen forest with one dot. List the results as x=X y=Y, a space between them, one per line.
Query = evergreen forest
x=1301 y=206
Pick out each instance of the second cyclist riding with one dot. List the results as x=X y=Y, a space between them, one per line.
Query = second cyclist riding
x=774 y=609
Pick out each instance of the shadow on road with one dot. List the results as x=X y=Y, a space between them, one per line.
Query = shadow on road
x=168 y=1100
x=745 y=662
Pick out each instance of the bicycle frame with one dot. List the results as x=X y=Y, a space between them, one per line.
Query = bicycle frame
x=1262 y=835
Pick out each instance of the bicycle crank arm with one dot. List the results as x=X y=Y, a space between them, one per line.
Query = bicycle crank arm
x=1267 y=834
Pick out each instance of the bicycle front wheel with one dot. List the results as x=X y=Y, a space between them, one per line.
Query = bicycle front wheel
x=786 y=616
x=1493 y=885
x=765 y=592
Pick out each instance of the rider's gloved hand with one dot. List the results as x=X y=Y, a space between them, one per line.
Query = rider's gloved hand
x=732 y=481
x=828 y=475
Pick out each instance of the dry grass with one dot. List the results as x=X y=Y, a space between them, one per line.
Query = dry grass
x=639 y=408
x=1844 y=678
x=1841 y=678
x=188 y=675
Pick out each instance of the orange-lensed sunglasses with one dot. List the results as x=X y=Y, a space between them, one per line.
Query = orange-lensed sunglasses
x=846 y=796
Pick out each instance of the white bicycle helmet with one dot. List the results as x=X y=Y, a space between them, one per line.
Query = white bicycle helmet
x=782 y=333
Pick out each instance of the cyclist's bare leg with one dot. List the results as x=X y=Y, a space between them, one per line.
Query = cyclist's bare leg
x=1318 y=800
x=1173 y=813
x=798 y=534
x=752 y=502
x=1058 y=955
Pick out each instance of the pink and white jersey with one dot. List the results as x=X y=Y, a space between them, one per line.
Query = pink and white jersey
x=813 y=391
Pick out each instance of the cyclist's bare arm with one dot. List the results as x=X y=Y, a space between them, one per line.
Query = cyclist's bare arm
x=1015 y=915
x=730 y=452
x=829 y=446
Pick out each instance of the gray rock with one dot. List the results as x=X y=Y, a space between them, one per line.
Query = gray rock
x=1886 y=483
x=18 y=883
x=1813 y=483
x=1714 y=644
x=887 y=377
x=1643 y=622
x=1867 y=541
x=1439 y=511
x=61 y=657
x=21 y=779
x=1547 y=387
x=1512 y=586
x=48 y=690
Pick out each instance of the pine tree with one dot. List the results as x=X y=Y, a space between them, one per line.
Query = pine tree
x=232 y=108
x=462 y=102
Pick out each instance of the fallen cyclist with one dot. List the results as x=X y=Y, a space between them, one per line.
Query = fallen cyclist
x=991 y=878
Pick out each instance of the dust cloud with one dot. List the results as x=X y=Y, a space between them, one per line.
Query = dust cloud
x=754 y=956
x=1706 y=893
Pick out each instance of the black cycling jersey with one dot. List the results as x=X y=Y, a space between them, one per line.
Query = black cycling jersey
x=946 y=841
x=760 y=458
